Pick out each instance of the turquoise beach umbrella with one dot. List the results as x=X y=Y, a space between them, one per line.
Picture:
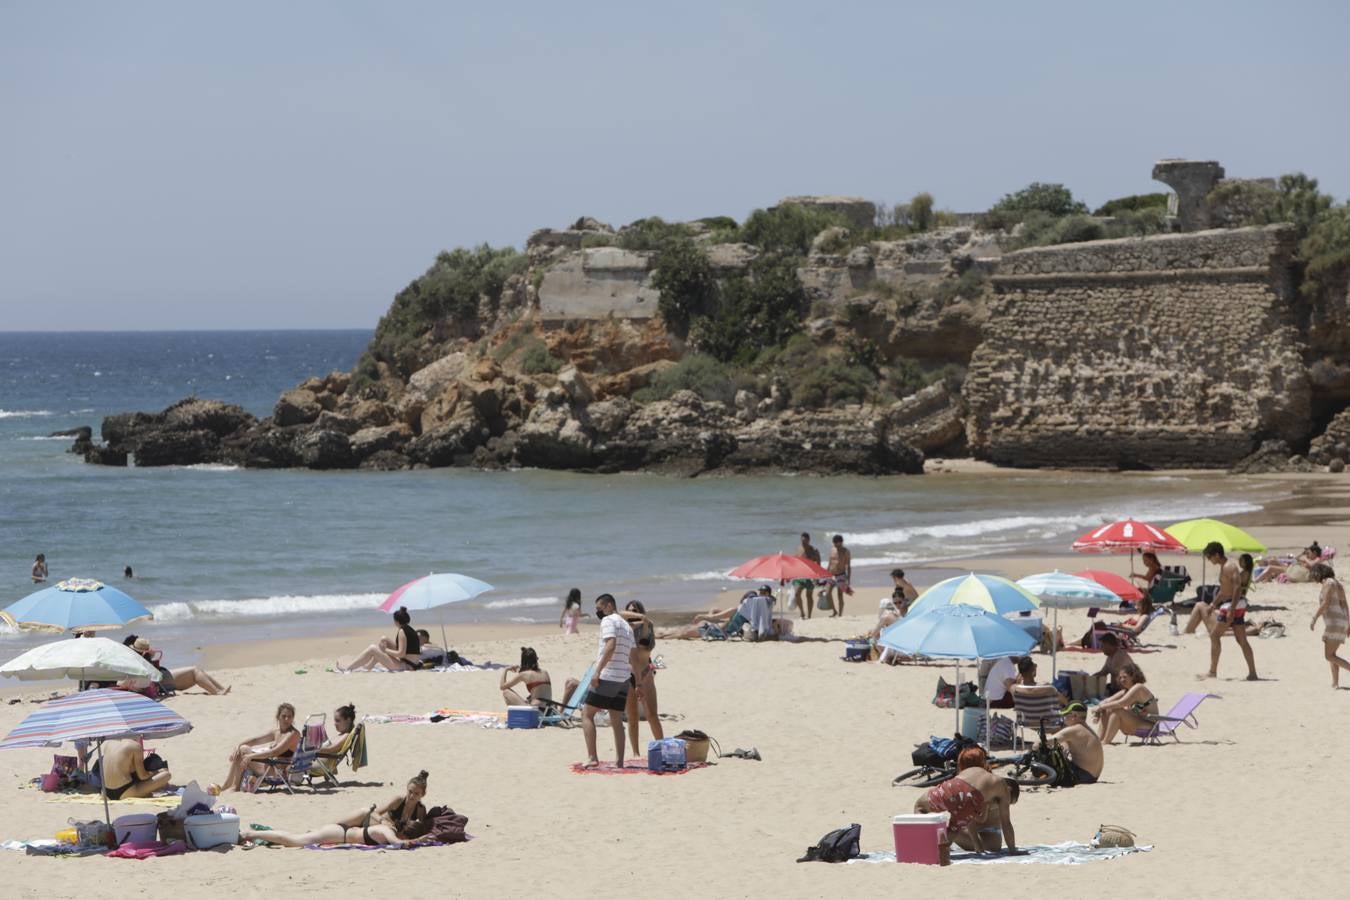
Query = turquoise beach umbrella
x=1060 y=590
x=957 y=631
x=76 y=604
x=987 y=592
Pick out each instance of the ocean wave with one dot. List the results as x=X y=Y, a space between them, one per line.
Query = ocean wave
x=23 y=413
x=48 y=437
x=704 y=576
x=212 y=467
x=522 y=601
x=524 y=620
x=257 y=607
x=969 y=529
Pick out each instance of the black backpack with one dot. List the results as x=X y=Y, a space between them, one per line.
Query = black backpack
x=837 y=846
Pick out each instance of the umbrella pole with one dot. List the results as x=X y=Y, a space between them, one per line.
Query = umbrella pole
x=445 y=646
x=956 y=700
x=988 y=724
x=1054 y=647
x=103 y=785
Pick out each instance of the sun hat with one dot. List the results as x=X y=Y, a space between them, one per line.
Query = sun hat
x=140 y=645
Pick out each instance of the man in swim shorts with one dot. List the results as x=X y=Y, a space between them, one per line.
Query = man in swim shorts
x=841 y=572
x=970 y=799
x=805 y=585
x=1232 y=610
x=613 y=677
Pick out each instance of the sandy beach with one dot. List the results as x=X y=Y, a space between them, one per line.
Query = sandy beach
x=1244 y=796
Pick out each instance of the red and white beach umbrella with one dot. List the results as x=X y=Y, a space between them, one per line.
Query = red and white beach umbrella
x=779 y=567
x=1128 y=535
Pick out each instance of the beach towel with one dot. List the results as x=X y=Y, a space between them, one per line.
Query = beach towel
x=1074 y=648
x=1070 y=853
x=483 y=718
x=51 y=847
x=631 y=767
x=148 y=850
x=417 y=846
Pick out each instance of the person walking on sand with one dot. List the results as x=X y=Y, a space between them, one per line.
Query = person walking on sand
x=841 y=572
x=1335 y=616
x=805 y=586
x=611 y=681
x=40 y=568
x=1232 y=610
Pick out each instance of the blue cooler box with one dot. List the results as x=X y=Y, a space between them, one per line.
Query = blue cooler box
x=666 y=755
x=522 y=717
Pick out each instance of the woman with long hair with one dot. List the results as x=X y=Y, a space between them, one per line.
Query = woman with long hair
x=403 y=653
x=1335 y=616
x=644 y=674
x=279 y=743
x=536 y=683
x=391 y=825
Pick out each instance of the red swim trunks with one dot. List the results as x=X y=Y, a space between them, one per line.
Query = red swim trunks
x=963 y=802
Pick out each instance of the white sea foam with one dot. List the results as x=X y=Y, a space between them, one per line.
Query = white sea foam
x=891 y=536
x=23 y=413
x=47 y=437
x=525 y=620
x=212 y=467
x=704 y=576
x=285 y=605
x=522 y=601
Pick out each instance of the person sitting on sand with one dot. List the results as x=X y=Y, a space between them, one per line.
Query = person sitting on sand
x=279 y=743
x=1129 y=709
x=1335 y=615
x=1081 y=743
x=125 y=774
x=1152 y=569
x=1273 y=568
x=535 y=682
x=401 y=654
x=968 y=798
x=393 y=825
x=183 y=677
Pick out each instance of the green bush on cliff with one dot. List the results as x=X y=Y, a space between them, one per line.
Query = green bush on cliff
x=652 y=233
x=760 y=309
x=1054 y=200
x=436 y=305
x=788 y=228
x=1326 y=251
x=684 y=276
x=536 y=358
x=705 y=376
x=1132 y=203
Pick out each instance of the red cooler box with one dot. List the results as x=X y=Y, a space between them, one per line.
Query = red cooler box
x=917 y=836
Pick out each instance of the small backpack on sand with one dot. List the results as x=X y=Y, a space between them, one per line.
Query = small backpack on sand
x=837 y=846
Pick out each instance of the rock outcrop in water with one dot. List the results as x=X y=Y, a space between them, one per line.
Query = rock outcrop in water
x=1189 y=349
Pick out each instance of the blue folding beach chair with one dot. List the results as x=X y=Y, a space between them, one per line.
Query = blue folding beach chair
x=564 y=714
x=290 y=771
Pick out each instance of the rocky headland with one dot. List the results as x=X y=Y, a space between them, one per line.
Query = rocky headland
x=824 y=335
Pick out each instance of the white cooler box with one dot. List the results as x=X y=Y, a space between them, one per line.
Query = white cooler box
x=207 y=830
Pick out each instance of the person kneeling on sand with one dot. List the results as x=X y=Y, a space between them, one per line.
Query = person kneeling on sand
x=974 y=797
x=125 y=773
x=395 y=824
x=1081 y=743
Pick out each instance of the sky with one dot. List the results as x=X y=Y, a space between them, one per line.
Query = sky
x=168 y=165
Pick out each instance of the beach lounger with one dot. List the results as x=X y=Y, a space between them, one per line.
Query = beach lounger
x=288 y=772
x=565 y=714
x=1183 y=713
x=352 y=749
x=1035 y=705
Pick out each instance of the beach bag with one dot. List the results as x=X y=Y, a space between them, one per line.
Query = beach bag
x=1113 y=836
x=696 y=745
x=823 y=601
x=63 y=775
x=711 y=631
x=1057 y=759
x=170 y=827
x=837 y=846
x=442 y=825
x=1001 y=732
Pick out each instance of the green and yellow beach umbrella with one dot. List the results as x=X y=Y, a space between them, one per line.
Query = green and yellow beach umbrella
x=1196 y=534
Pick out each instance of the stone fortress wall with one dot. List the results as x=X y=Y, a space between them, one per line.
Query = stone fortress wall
x=1175 y=350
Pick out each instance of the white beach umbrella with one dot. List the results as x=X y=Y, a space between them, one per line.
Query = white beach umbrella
x=81 y=659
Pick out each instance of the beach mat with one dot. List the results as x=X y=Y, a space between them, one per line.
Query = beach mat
x=1070 y=853
x=630 y=767
x=1131 y=650
x=373 y=846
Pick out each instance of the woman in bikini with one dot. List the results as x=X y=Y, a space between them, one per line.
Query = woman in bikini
x=1335 y=615
x=401 y=654
x=644 y=675
x=390 y=825
x=1152 y=569
x=1130 y=708
x=279 y=743
x=536 y=683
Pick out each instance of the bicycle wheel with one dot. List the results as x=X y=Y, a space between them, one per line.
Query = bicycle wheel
x=1027 y=772
x=923 y=776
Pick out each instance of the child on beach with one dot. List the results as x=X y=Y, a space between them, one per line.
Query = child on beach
x=571 y=614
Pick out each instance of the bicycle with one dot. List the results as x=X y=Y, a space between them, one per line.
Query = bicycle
x=1031 y=768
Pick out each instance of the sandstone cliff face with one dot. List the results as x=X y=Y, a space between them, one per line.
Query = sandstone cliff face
x=1178 y=350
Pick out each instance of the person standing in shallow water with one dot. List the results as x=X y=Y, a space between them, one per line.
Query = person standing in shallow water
x=40 y=568
x=1231 y=607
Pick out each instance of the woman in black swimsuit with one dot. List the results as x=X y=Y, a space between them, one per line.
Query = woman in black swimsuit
x=644 y=675
x=387 y=826
x=402 y=654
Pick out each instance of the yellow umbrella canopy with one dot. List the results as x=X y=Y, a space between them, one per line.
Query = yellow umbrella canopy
x=1196 y=534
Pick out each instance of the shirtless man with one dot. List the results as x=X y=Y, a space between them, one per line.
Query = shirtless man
x=124 y=774
x=805 y=585
x=1232 y=610
x=841 y=567
x=1081 y=743
x=980 y=804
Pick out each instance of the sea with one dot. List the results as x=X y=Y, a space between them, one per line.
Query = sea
x=226 y=554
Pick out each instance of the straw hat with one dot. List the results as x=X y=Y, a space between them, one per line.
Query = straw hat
x=141 y=645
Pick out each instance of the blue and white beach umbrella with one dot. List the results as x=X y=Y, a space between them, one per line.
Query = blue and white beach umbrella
x=957 y=631
x=1060 y=590
x=76 y=604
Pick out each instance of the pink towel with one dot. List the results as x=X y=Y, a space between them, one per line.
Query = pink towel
x=147 y=850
